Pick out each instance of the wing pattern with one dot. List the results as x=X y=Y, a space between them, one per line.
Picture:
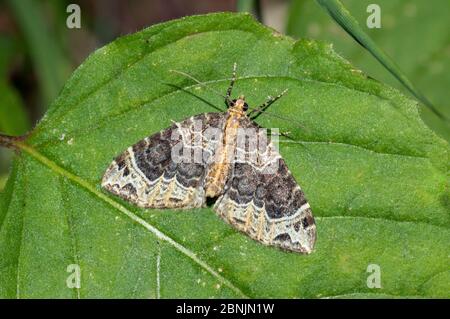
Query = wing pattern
x=148 y=175
x=267 y=204
x=260 y=198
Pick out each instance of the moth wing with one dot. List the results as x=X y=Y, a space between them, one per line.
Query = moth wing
x=263 y=200
x=148 y=175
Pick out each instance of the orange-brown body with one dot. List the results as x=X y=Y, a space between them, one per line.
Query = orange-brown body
x=219 y=171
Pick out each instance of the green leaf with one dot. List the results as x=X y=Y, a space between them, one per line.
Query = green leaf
x=8 y=48
x=250 y=6
x=13 y=117
x=346 y=20
x=423 y=55
x=374 y=175
x=13 y=121
x=49 y=62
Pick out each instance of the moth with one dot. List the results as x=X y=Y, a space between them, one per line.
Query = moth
x=253 y=189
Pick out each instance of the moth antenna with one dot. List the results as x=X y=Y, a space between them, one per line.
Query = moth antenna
x=265 y=105
x=201 y=83
x=228 y=99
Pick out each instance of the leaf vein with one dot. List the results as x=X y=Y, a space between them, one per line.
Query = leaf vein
x=25 y=187
x=352 y=145
x=109 y=118
x=70 y=226
x=382 y=219
x=152 y=229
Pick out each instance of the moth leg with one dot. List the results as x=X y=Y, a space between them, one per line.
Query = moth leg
x=265 y=105
x=230 y=88
x=286 y=134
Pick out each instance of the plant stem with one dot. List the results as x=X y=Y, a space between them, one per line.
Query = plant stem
x=11 y=141
x=251 y=6
x=342 y=16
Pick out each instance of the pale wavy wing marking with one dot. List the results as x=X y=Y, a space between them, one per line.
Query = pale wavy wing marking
x=146 y=175
x=269 y=207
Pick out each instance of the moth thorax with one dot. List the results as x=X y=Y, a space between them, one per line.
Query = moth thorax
x=239 y=105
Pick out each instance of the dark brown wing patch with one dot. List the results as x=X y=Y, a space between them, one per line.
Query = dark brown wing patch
x=260 y=198
x=148 y=175
x=268 y=206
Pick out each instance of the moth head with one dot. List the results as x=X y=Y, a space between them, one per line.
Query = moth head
x=239 y=104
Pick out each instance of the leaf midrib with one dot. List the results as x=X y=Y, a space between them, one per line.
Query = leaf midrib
x=152 y=229
x=155 y=231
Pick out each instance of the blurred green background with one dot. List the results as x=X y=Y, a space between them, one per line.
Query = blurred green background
x=38 y=51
